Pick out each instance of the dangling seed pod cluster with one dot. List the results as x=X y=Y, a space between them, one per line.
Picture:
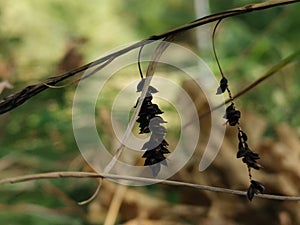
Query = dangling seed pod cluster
x=232 y=115
x=150 y=122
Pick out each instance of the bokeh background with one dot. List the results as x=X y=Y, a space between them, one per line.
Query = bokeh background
x=39 y=39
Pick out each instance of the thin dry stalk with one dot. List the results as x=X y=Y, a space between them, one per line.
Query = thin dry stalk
x=70 y=174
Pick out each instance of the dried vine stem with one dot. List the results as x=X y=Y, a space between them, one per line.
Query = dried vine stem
x=12 y=101
x=69 y=174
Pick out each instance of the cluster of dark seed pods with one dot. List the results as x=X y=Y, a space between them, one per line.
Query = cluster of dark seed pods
x=248 y=156
x=150 y=122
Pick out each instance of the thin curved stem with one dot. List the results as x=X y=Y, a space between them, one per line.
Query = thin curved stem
x=214 y=48
x=95 y=194
x=74 y=174
x=139 y=62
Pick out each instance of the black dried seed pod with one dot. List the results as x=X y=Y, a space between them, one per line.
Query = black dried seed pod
x=242 y=136
x=158 y=130
x=258 y=186
x=150 y=161
x=251 y=163
x=147 y=112
x=232 y=115
x=144 y=117
x=165 y=143
x=154 y=109
x=155 y=168
x=157 y=120
x=147 y=100
x=153 y=156
x=252 y=155
x=150 y=109
x=164 y=150
x=243 y=145
x=151 y=90
x=250 y=192
x=249 y=157
x=144 y=128
x=150 y=145
x=159 y=148
x=229 y=110
x=255 y=188
x=241 y=152
x=223 y=86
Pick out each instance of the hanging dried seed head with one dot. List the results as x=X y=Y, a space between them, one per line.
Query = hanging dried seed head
x=232 y=115
x=223 y=86
x=149 y=121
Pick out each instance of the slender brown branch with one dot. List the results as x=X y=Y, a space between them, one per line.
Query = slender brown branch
x=12 y=101
x=70 y=174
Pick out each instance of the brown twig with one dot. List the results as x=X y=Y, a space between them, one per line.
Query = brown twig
x=70 y=174
x=12 y=101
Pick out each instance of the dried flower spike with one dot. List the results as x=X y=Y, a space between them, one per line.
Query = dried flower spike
x=233 y=116
x=249 y=157
x=150 y=122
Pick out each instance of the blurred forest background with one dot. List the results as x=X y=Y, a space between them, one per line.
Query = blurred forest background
x=39 y=39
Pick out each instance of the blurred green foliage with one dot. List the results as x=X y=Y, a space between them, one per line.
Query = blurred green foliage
x=38 y=136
